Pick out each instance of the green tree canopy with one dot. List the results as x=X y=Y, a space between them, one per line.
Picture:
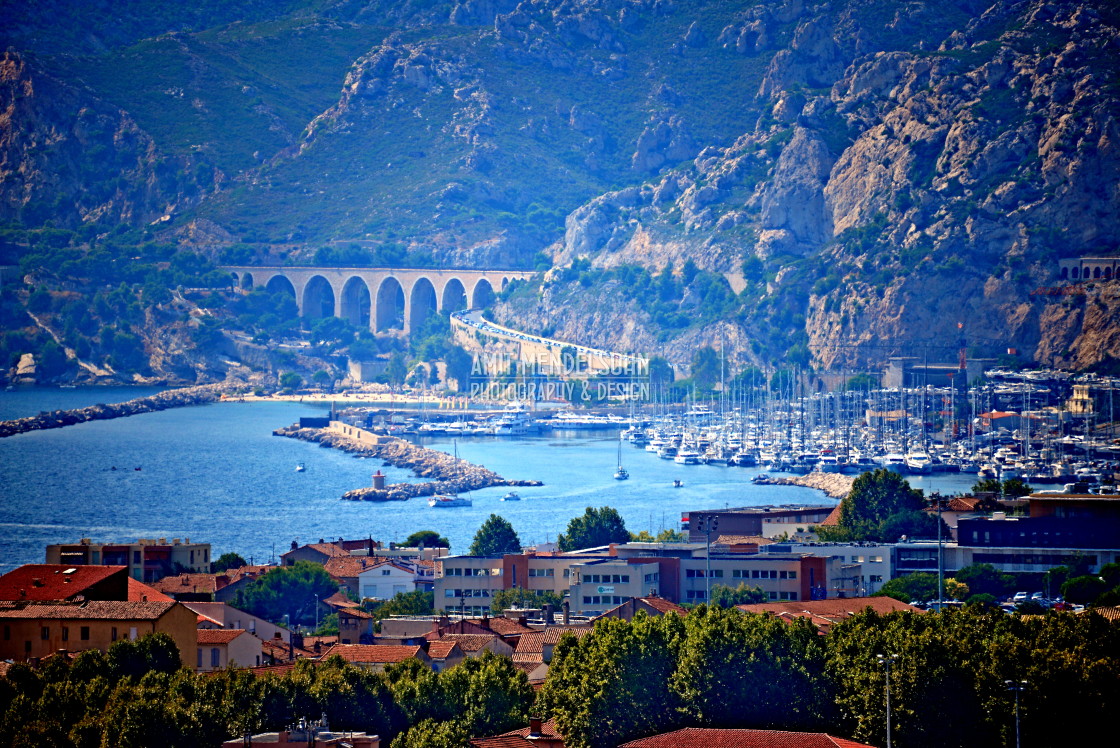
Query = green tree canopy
x=881 y=507
x=228 y=560
x=985 y=579
x=495 y=537
x=594 y=528
x=426 y=538
x=724 y=596
x=288 y=590
x=519 y=597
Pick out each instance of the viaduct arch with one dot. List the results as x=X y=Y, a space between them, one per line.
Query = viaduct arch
x=382 y=299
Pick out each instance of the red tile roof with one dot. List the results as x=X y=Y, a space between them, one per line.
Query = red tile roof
x=661 y=605
x=441 y=650
x=140 y=592
x=195 y=584
x=90 y=610
x=340 y=600
x=209 y=637
x=504 y=626
x=517 y=738
x=469 y=642
x=373 y=653
x=704 y=737
x=825 y=613
x=42 y=582
x=833 y=519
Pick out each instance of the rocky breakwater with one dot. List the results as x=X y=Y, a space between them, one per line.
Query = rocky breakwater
x=56 y=419
x=835 y=485
x=450 y=474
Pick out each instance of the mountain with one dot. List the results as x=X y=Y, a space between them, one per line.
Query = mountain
x=802 y=184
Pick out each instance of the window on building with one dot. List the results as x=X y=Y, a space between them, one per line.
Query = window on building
x=385 y=572
x=772 y=595
x=132 y=633
x=45 y=633
x=876 y=577
x=84 y=633
x=113 y=634
x=781 y=574
x=215 y=657
x=65 y=633
x=876 y=559
x=199 y=657
x=7 y=633
x=793 y=575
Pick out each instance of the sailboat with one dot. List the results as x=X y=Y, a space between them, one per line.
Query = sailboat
x=443 y=500
x=621 y=473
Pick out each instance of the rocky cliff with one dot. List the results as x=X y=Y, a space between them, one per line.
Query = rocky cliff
x=889 y=194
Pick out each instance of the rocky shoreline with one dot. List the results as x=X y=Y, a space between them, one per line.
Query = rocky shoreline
x=835 y=485
x=451 y=474
x=56 y=419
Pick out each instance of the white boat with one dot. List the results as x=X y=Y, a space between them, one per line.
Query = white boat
x=895 y=462
x=300 y=468
x=443 y=500
x=918 y=463
x=515 y=420
x=621 y=473
x=687 y=457
x=512 y=496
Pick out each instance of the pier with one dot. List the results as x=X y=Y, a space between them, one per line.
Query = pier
x=56 y=419
x=450 y=474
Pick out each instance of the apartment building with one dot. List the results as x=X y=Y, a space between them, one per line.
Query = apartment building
x=148 y=560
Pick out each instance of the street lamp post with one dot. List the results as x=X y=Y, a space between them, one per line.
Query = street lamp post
x=886 y=661
x=709 y=525
x=1016 y=687
x=316 y=612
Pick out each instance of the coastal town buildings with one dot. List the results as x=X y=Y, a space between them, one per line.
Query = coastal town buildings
x=222 y=648
x=147 y=560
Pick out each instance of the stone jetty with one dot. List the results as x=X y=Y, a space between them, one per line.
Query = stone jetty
x=450 y=474
x=835 y=485
x=56 y=419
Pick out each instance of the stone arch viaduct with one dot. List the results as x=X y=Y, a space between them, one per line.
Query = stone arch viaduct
x=382 y=299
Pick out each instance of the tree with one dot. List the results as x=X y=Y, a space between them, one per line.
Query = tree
x=519 y=597
x=415 y=603
x=724 y=596
x=613 y=684
x=290 y=381
x=705 y=367
x=426 y=538
x=665 y=536
x=749 y=670
x=228 y=560
x=494 y=538
x=1016 y=487
x=289 y=590
x=985 y=579
x=1084 y=589
x=880 y=508
x=594 y=528
x=911 y=588
x=397 y=369
x=459 y=366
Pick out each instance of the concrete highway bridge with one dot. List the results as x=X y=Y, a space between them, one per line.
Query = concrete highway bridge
x=382 y=299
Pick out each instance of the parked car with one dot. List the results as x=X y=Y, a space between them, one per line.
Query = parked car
x=1020 y=597
x=1038 y=596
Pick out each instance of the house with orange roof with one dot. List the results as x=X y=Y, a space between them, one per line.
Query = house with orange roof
x=141 y=593
x=473 y=645
x=222 y=648
x=191 y=587
x=540 y=733
x=33 y=630
x=824 y=614
x=537 y=647
x=376 y=657
x=316 y=553
x=651 y=606
x=708 y=737
x=47 y=582
x=384 y=579
x=445 y=654
x=355 y=626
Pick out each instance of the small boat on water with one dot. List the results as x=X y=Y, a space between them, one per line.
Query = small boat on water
x=761 y=478
x=443 y=500
x=512 y=496
x=677 y=483
x=621 y=473
x=300 y=468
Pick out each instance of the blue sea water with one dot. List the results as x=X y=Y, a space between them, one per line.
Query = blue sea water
x=216 y=474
